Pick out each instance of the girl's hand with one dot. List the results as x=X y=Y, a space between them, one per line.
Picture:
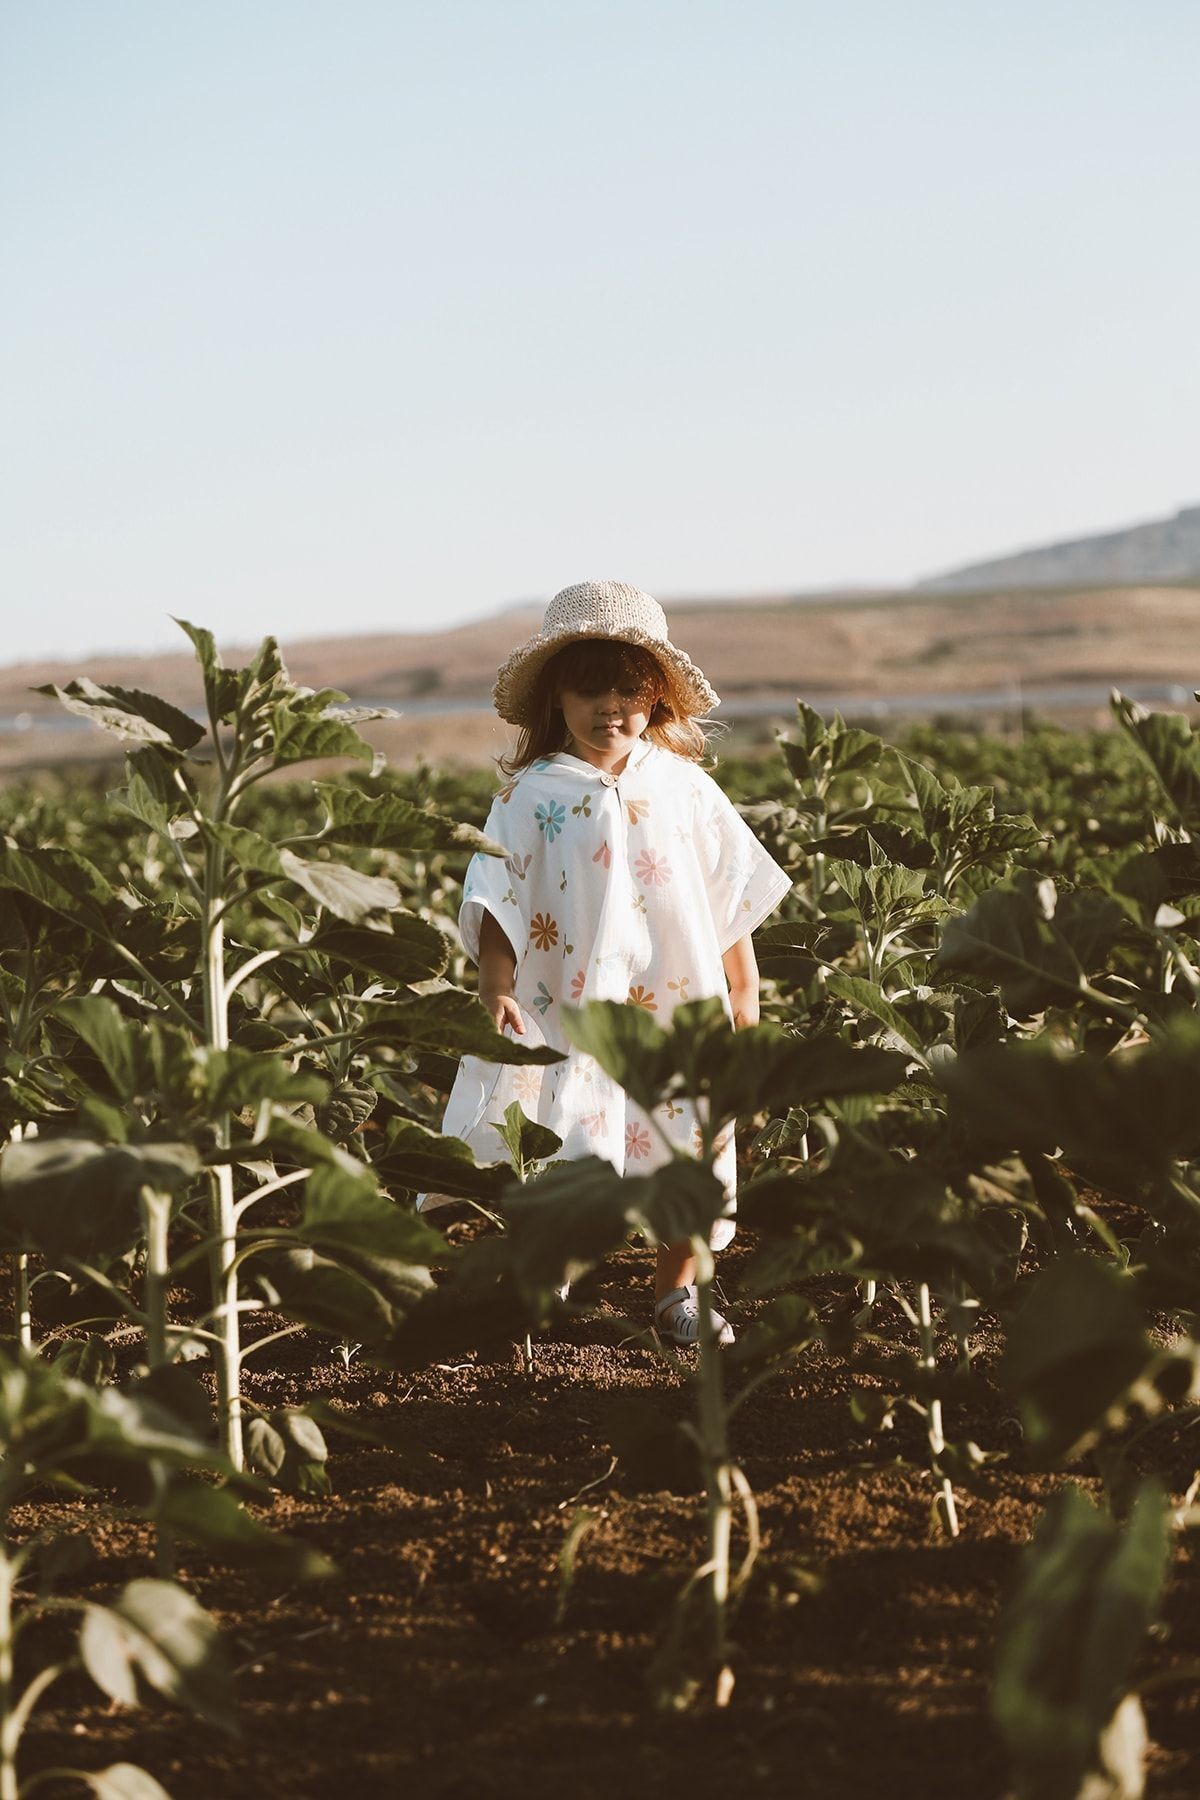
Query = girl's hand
x=741 y=972
x=744 y=1004
x=504 y=1011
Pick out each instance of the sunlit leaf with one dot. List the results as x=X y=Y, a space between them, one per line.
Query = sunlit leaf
x=156 y=1633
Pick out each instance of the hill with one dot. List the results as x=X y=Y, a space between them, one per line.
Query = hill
x=875 y=648
x=1160 y=550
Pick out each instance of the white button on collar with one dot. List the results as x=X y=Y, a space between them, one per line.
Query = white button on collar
x=609 y=780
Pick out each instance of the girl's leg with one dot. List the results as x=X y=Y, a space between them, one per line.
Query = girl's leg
x=679 y=1323
x=676 y=1268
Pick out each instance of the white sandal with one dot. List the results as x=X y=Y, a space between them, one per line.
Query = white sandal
x=677 y=1316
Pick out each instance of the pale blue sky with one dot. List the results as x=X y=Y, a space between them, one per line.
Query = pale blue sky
x=347 y=315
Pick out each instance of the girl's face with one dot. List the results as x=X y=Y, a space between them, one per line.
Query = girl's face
x=605 y=723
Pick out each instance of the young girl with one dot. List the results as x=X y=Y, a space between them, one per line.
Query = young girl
x=630 y=877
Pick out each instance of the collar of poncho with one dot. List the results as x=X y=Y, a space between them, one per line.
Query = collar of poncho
x=641 y=750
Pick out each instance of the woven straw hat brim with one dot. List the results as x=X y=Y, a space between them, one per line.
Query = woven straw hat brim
x=692 y=694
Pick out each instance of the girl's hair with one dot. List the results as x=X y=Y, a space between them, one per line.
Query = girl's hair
x=592 y=666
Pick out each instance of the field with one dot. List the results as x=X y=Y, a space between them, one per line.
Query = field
x=436 y=1662
x=876 y=646
x=372 y=1499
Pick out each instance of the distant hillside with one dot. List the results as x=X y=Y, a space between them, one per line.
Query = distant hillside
x=1162 y=550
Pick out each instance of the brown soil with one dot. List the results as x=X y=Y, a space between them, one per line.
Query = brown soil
x=433 y=1662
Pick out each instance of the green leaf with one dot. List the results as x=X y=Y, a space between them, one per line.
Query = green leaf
x=1126 y=1119
x=386 y=821
x=869 y=997
x=478 y=1308
x=1012 y=936
x=51 y=1423
x=61 y=882
x=214 y=1518
x=526 y=1141
x=344 y=1213
x=682 y=1199
x=412 y=950
x=747 y=1071
x=655 y=1451
x=448 y=1020
x=1078 y=1355
x=346 y=1109
x=108 y=1034
x=345 y=892
x=281 y=1136
x=933 y=800
x=149 y=795
x=249 y=849
x=89 y=1359
x=627 y=1043
x=236 y=1078
x=852 y=748
x=864 y=844
x=316 y=1291
x=222 y=686
x=133 y=716
x=70 y=1197
x=121 y=1781
x=177 y=1390
x=157 y=1633
x=286 y=1446
x=1070 y=1639
x=134 y=1426
x=300 y=737
x=789 y=950
x=425 y=1161
x=898 y=1220
x=1171 y=748
x=576 y=1213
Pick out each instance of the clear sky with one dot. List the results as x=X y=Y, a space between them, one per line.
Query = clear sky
x=325 y=315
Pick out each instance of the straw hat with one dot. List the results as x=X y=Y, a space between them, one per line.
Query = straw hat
x=601 y=609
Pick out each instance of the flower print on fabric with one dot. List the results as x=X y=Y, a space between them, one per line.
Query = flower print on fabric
x=652 y=868
x=737 y=872
x=550 y=819
x=528 y=1083
x=655 y=893
x=506 y=792
x=543 y=932
x=637 y=1140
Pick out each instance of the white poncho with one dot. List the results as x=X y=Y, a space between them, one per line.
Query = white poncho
x=626 y=887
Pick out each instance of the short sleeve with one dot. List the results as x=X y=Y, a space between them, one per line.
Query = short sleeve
x=498 y=885
x=744 y=883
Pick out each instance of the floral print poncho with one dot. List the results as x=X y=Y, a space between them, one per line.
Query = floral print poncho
x=626 y=887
